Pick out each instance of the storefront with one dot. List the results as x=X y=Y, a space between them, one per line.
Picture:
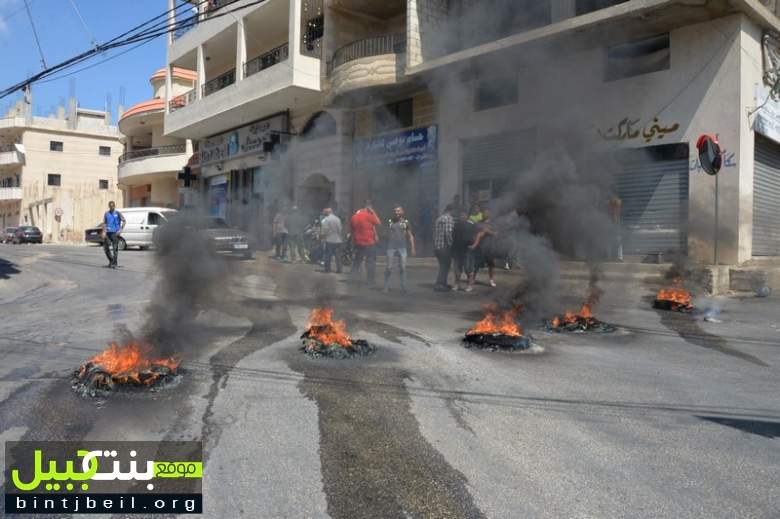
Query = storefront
x=401 y=169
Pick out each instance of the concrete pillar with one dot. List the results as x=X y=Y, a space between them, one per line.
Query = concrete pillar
x=562 y=9
x=171 y=19
x=201 y=71
x=240 y=48
x=168 y=87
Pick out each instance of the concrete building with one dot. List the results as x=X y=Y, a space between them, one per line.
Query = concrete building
x=58 y=172
x=436 y=98
x=149 y=168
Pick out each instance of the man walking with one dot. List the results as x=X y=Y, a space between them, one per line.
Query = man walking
x=364 y=237
x=399 y=232
x=331 y=231
x=442 y=245
x=113 y=224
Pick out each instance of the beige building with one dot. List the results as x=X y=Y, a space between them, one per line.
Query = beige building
x=414 y=102
x=149 y=168
x=59 y=172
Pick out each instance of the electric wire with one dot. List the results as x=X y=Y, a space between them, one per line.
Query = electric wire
x=35 y=33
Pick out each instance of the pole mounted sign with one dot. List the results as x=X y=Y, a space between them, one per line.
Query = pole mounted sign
x=710 y=155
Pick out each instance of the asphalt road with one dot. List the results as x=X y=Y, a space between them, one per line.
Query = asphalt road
x=670 y=416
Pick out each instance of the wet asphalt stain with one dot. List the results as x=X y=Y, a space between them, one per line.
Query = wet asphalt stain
x=686 y=326
x=384 y=330
x=375 y=461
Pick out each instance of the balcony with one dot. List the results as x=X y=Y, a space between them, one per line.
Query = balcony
x=219 y=82
x=10 y=193
x=267 y=60
x=10 y=156
x=368 y=63
x=151 y=161
x=183 y=100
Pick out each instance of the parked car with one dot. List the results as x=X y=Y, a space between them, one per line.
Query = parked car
x=7 y=235
x=94 y=235
x=27 y=234
x=220 y=238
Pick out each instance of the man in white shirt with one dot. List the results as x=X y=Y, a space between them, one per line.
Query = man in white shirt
x=331 y=231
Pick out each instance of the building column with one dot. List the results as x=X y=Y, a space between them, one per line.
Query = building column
x=201 y=71
x=562 y=9
x=171 y=19
x=240 y=48
x=168 y=87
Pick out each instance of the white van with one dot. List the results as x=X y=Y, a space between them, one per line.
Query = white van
x=140 y=223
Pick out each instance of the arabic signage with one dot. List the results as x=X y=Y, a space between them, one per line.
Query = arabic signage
x=243 y=141
x=411 y=146
x=767 y=117
x=629 y=129
x=103 y=477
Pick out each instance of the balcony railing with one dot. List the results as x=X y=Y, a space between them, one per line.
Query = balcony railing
x=174 y=149
x=374 y=46
x=10 y=193
x=219 y=82
x=183 y=100
x=215 y=5
x=268 y=59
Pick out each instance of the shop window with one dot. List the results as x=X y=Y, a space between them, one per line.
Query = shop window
x=55 y=146
x=394 y=116
x=103 y=184
x=54 y=180
x=105 y=151
x=638 y=57
x=588 y=6
x=496 y=91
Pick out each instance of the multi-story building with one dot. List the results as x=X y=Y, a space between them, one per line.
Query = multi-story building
x=150 y=166
x=58 y=172
x=416 y=102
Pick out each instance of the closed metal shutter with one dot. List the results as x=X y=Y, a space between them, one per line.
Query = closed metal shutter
x=653 y=186
x=766 y=198
x=497 y=156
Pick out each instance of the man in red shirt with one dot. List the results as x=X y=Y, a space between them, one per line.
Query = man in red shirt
x=364 y=237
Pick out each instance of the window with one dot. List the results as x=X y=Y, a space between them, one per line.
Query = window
x=588 y=6
x=496 y=91
x=55 y=146
x=54 y=180
x=155 y=219
x=103 y=184
x=105 y=151
x=638 y=57
x=311 y=36
x=393 y=116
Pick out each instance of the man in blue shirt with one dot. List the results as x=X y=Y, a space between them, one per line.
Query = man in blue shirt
x=113 y=223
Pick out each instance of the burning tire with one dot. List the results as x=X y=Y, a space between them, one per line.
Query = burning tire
x=497 y=331
x=674 y=298
x=327 y=337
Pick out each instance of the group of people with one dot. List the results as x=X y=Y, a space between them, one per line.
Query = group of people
x=467 y=241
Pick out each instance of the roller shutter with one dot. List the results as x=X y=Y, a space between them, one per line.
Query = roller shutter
x=653 y=186
x=766 y=198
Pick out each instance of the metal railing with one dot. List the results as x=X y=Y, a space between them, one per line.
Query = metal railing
x=267 y=59
x=7 y=148
x=215 y=5
x=182 y=100
x=373 y=46
x=185 y=27
x=219 y=82
x=173 y=149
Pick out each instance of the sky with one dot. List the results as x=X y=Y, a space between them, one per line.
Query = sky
x=62 y=36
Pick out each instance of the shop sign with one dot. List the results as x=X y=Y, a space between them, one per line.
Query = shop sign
x=243 y=141
x=410 y=146
x=767 y=121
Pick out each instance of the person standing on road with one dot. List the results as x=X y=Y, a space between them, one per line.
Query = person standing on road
x=400 y=230
x=296 y=226
x=113 y=224
x=280 y=234
x=484 y=248
x=364 y=236
x=442 y=245
x=463 y=234
x=331 y=231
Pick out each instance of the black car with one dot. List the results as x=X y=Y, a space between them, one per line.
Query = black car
x=7 y=235
x=94 y=235
x=28 y=234
x=213 y=231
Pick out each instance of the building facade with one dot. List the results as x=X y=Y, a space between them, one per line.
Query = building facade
x=150 y=166
x=59 y=172
x=437 y=99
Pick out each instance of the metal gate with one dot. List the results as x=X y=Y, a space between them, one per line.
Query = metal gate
x=491 y=161
x=766 y=198
x=653 y=186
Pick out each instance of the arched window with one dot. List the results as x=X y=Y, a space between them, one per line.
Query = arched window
x=321 y=124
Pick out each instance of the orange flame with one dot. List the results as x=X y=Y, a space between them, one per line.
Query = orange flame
x=495 y=323
x=324 y=328
x=675 y=294
x=585 y=312
x=124 y=363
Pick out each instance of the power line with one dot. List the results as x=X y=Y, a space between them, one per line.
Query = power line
x=83 y=23
x=35 y=33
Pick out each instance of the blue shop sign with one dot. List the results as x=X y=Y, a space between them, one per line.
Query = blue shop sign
x=417 y=145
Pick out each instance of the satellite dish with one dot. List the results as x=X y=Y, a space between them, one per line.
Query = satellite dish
x=710 y=156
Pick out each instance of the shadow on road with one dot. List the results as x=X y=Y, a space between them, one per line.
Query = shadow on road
x=7 y=269
x=759 y=427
